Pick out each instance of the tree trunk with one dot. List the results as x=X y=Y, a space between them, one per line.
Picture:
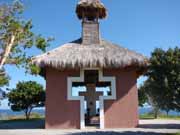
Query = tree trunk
x=27 y=116
x=7 y=51
x=156 y=113
x=167 y=113
x=28 y=112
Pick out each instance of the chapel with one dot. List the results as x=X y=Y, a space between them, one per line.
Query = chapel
x=91 y=81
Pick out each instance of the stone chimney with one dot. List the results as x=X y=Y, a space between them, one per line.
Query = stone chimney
x=90 y=33
x=90 y=11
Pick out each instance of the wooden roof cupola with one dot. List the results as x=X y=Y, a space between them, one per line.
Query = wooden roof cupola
x=90 y=11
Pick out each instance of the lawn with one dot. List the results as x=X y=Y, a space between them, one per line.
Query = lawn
x=19 y=122
x=38 y=121
x=161 y=116
x=35 y=123
x=174 y=134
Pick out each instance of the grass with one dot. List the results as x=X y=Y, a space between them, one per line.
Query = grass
x=35 y=123
x=14 y=119
x=20 y=122
x=22 y=118
x=174 y=134
x=33 y=115
x=169 y=117
x=146 y=116
x=161 y=116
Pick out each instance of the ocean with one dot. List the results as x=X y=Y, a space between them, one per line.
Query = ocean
x=8 y=112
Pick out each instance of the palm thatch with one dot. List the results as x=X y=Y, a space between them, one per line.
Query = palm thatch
x=91 y=9
x=75 y=55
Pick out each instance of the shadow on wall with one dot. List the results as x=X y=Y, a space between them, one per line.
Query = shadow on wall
x=123 y=112
x=117 y=133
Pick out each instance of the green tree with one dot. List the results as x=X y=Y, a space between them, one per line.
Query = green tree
x=2 y=95
x=163 y=83
x=151 y=97
x=142 y=96
x=4 y=79
x=26 y=96
x=16 y=38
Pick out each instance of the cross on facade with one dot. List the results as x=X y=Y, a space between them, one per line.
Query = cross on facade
x=84 y=81
x=91 y=96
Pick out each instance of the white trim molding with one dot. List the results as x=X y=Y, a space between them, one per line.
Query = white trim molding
x=70 y=80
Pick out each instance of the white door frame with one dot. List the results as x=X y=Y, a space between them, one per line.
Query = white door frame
x=70 y=80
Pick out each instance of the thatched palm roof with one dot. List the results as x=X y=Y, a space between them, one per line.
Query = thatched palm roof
x=91 y=9
x=104 y=55
x=101 y=54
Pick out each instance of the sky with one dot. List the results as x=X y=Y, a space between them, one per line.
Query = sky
x=139 y=25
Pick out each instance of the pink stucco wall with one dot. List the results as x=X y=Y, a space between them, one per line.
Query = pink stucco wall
x=63 y=114
x=122 y=113
x=60 y=113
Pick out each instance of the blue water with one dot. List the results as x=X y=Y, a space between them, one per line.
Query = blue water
x=149 y=109
x=8 y=112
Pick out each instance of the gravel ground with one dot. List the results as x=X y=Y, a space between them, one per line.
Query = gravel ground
x=146 y=127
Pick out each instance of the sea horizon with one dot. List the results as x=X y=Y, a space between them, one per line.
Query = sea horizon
x=41 y=111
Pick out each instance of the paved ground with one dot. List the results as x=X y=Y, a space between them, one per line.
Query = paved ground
x=160 y=124
x=147 y=127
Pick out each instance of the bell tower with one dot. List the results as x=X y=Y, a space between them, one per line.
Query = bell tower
x=90 y=11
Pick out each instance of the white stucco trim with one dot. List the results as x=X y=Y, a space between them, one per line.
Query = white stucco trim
x=102 y=98
x=81 y=98
x=70 y=80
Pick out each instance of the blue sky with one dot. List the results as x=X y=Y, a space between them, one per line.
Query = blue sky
x=140 y=25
